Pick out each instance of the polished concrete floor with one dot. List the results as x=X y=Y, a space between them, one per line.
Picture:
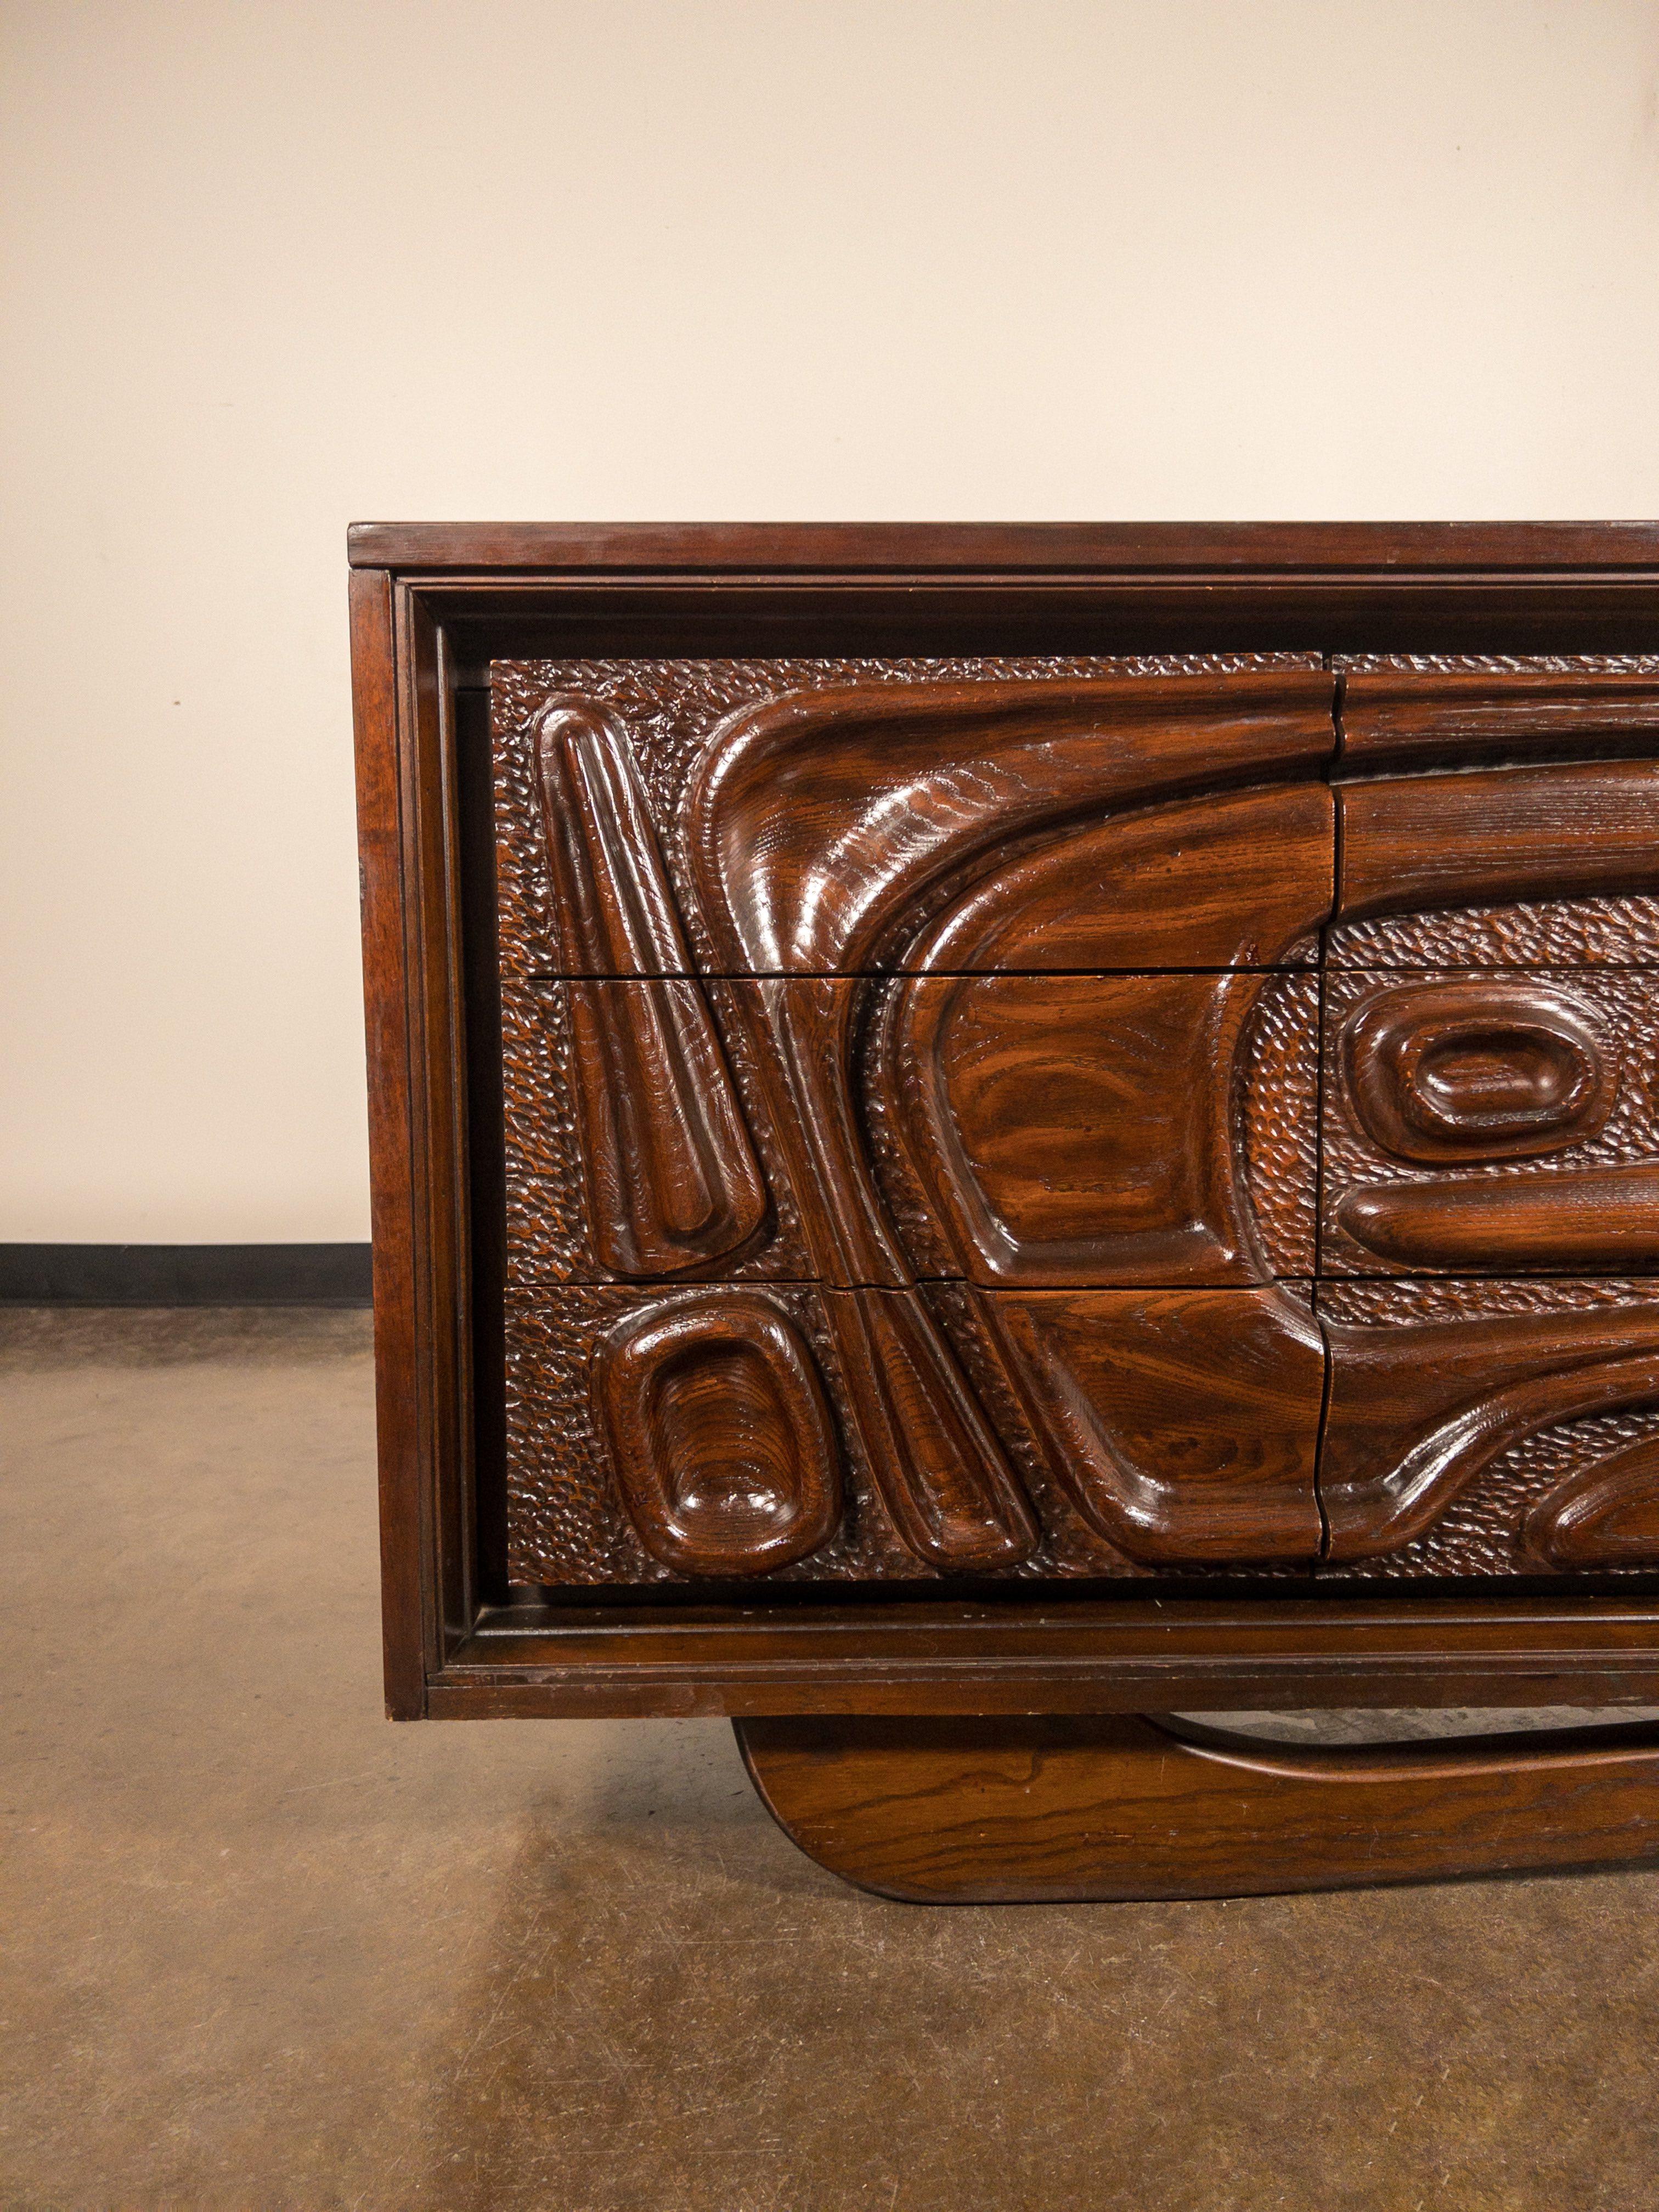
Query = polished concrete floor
x=259 y=1948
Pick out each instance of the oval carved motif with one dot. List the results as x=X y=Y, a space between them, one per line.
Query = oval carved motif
x=1478 y=1070
x=720 y=1435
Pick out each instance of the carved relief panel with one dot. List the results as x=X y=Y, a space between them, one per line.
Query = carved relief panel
x=1078 y=1117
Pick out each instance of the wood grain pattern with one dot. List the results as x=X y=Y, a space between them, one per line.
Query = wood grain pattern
x=1440 y=1073
x=1584 y=828
x=1232 y=879
x=582 y=1499
x=1422 y=1401
x=925 y=1509
x=720 y=1433
x=1184 y=1424
x=670 y=710
x=613 y=907
x=1071 y=1131
x=1576 y=1223
x=1481 y=1529
x=561 y=1226
x=1605 y=1515
x=672 y=1179
x=1056 y=1810
x=1239 y=1647
x=818 y=829
x=1403 y=709
x=943 y=1472
x=1077 y=1130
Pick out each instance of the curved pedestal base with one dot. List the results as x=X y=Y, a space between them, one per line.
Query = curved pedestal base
x=1050 y=1809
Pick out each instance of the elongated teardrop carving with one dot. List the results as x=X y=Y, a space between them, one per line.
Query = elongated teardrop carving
x=673 y=1180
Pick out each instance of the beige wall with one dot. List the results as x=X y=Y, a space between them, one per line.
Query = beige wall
x=272 y=265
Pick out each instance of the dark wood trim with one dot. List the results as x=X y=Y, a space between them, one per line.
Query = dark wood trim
x=399 y=1203
x=1024 y=547
x=469 y=593
x=184 y=1275
x=1126 y=1654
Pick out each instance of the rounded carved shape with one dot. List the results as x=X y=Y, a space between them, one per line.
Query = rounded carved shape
x=719 y=1434
x=1605 y=1515
x=1477 y=1070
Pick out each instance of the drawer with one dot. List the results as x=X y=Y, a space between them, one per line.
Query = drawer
x=820 y=816
x=1497 y=813
x=1090 y=1131
x=794 y=1432
x=1038 y=1130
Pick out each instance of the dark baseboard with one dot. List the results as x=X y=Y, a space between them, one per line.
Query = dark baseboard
x=184 y=1275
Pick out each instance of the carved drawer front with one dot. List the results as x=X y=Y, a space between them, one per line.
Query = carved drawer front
x=837 y=817
x=1087 y=1130
x=1478 y=828
x=1487 y=1426
x=803 y=1433
x=1079 y=1118
x=1490 y=1122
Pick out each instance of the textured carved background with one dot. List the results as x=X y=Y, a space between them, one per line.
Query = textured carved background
x=1551 y=932
x=671 y=709
x=566 y=1520
x=1278 y=1076
x=1499 y=663
x=1627 y=1002
x=548 y=1238
x=1479 y=1534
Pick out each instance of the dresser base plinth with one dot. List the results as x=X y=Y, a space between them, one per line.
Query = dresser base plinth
x=1048 y=1809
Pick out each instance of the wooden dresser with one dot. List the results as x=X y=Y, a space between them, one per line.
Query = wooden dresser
x=981 y=1135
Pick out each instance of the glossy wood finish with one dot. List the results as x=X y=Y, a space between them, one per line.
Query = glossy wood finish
x=1055 y=1811
x=1567 y=831
x=817 y=827
x=1184 y=1424
x=672 y=1180
x=913 y=824
x=1406 y=710
x=1250 y=1648
x=1478 y=1068
x=959 y=1102
x=720 y=1434
x=1233 y=880
x=1421 y=1403
x=1498 y=1122
x=1072 y=1130
x=816 y=593
x=1597 y=1219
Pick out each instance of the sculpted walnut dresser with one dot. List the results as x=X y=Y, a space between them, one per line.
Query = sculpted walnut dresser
x=983 y=1136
